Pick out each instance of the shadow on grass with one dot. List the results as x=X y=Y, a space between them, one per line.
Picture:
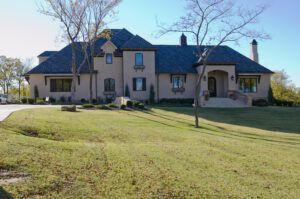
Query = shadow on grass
x=277 y=119
x=209 y=129
x=4 y=194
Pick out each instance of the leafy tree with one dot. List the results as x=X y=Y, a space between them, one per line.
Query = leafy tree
x=284 y=91
x=20 y=70
x=7 y=72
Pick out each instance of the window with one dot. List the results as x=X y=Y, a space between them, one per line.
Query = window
x=109 y=58
x=109 y=85
x=248 y=85
x=178 y=81
x=139 y=59
x=139 y=84
x=60 y=85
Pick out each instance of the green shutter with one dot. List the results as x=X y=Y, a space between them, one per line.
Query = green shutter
x=134 y=84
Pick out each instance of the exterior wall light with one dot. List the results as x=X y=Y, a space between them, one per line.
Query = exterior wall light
x=232 y=77
x=204 y=78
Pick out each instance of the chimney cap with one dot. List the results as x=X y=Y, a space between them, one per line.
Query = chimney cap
x=254 y=42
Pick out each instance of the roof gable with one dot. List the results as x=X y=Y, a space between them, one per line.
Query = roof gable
x=47 y=53
x=137 y=42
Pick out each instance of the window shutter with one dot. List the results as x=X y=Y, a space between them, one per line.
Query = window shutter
x=134 y=84
x=52 y=85
x=144 y=84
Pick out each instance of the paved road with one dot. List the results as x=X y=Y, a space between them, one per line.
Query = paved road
x=6 y=110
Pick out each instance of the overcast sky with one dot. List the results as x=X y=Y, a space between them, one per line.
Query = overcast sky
x=25 y=33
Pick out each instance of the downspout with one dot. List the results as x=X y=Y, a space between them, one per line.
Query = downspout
x=123 y=78
x=157 y=85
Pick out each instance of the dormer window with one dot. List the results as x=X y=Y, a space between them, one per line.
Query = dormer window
x=109 y=58
x=139 y=59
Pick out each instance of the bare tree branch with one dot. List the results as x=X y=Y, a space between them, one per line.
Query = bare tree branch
x=216 y=22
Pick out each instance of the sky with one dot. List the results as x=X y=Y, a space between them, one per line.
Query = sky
x=25 y=33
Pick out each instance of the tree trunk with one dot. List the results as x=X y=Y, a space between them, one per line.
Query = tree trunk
x=19 y=91
x=74 y=72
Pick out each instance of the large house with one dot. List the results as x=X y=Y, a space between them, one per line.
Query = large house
x=129 y=62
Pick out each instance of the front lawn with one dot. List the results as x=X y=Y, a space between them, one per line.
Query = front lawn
x=154 y=154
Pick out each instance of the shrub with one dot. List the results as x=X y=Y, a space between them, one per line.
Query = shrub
x=123 y=107
x=102 y=107
x=24 y=100
x=111 y=105
x=83 y=101
x=62 y=99
x=260 y=102
x=127 y=92
x=140 y=106
x=39 y=101
x=69 y=99
x=52 y=100
x=87 y=105
x=94 y=101
x=36 y=92
x=152 y=95
x=135 y=103
x=129 y=104
x=31 y=100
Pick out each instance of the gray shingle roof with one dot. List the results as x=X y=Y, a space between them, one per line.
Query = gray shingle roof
x=168 y=58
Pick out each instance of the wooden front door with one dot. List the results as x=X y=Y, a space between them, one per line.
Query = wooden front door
x=212 y=86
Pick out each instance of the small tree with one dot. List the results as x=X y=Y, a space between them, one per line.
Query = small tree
x=127 y=92
x=36 y=92
x=20 y=70
x=152 y=95
x=96 y=12
x=214 y=22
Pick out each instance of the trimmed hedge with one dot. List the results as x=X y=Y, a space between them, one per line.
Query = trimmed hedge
x=102 y=107
x=129 y=104
x=111 y=105
x=87 y=105
x=31 y=100
x=123 y=106
x=260 y=102
x=24 y=100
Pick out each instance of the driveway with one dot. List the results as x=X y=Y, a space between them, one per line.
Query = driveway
x=6 y=110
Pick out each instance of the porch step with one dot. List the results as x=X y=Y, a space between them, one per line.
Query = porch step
x=216 y=102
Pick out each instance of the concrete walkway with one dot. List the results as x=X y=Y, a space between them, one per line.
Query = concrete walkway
x=6 y=110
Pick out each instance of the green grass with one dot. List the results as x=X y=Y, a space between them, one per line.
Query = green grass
x=155 y=154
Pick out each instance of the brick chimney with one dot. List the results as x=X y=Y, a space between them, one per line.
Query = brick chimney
x=183 y=40
x=253 y=51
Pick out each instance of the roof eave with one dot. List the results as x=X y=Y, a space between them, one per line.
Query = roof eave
x=138 y=49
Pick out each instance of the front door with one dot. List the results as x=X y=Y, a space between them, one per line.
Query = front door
x=212 y=86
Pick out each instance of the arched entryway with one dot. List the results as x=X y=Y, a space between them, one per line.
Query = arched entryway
x=218 y=83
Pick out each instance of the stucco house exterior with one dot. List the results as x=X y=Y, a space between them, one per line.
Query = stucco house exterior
x=128 y=60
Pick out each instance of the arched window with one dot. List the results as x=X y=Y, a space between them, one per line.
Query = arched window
x=109 y=85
